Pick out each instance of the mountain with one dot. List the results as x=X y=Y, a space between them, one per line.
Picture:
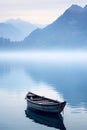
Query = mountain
x=16 y=30
x=24 y=27
x=7 y=30
x=67 y=31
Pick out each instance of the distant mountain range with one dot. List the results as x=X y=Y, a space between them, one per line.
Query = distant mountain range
x=9 y=31
x=67 y=31
x=16 y=30
x=25 y=28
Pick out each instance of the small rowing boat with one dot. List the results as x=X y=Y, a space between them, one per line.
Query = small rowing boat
x=44 y=104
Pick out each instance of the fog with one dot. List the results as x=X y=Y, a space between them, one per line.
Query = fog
x=45 y=56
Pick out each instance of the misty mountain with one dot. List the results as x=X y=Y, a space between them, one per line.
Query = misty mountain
x=24 y=27
x=16 y=30
x=9 y=31
x=67 y=31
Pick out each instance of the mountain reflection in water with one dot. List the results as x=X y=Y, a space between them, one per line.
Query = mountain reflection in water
x=48 y=119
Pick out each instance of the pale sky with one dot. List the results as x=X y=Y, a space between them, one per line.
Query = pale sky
x=35 y=11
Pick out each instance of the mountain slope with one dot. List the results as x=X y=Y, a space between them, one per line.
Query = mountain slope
x=16 y=30
x=68 y=31
x=8 y=31
x=25 y=27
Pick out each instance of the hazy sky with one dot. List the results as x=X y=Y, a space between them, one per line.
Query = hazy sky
x=35 y=11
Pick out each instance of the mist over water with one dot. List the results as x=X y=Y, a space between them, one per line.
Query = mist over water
x=70 y=57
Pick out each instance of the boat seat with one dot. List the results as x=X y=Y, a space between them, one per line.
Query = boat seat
x=36 y=99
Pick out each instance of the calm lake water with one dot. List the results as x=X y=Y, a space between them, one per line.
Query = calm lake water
x=61 y=76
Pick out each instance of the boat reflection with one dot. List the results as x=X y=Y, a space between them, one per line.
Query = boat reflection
x=48 y=119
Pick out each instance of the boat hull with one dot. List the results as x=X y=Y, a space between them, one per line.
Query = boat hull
x=43 y=104
x=44 y=108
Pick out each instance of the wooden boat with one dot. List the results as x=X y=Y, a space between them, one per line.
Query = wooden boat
x=44 y=104
x=54 y=120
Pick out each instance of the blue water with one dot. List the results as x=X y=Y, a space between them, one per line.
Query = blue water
x=60 y=79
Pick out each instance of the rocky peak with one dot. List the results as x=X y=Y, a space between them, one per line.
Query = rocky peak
x=75 y=8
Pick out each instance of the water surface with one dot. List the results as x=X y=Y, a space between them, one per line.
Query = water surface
x=60 y=76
